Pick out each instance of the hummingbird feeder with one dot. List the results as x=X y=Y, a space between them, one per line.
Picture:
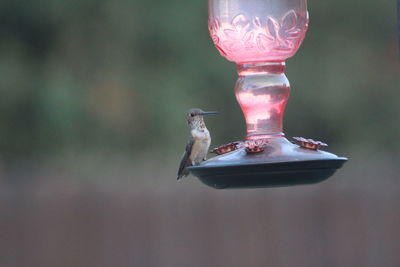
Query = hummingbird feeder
x=259 y=35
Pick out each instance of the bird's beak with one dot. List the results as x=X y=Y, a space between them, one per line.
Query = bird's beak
x=209 y=112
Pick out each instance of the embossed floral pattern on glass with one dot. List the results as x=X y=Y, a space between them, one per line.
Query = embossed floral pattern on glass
x=259 y=35
x=259 y=39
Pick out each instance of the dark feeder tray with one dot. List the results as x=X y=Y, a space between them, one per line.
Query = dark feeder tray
x=280 y=164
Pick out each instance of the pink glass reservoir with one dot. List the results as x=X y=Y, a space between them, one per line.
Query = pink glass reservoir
x=259 y=35
x=257 y=30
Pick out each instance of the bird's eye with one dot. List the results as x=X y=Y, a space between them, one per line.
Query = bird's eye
x=191 y=114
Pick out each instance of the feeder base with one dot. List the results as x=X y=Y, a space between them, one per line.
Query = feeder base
x=280 y=164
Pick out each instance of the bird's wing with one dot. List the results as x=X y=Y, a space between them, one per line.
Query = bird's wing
x=185 y=161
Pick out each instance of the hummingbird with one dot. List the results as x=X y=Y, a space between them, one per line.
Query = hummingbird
x=198 y=143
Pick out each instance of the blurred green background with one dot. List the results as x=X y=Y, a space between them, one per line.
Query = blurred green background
x=93 y=96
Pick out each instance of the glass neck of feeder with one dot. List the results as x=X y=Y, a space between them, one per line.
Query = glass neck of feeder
x=262 y=91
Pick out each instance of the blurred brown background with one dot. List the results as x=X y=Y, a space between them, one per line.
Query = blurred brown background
x=92 y=127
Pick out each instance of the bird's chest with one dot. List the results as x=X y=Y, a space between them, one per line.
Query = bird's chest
x=201 y=145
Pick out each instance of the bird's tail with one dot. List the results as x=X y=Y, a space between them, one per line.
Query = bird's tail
x=182 y=174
